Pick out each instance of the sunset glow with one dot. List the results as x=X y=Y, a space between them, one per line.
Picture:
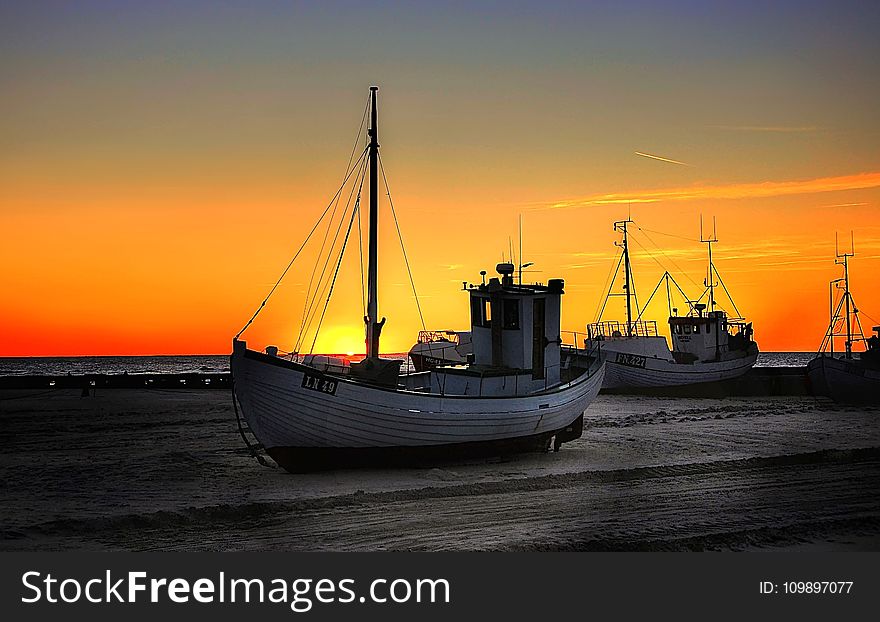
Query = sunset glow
x=160 y=166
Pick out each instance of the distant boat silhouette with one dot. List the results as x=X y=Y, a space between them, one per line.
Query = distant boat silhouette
x=840 y=375
x=440 y=347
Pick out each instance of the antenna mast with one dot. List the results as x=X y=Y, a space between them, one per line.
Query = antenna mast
x=710 y=280
x=620 y=225
x=841 y=259
x=520 y=250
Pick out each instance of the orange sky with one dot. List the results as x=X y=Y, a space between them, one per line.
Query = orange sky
x=158 y=171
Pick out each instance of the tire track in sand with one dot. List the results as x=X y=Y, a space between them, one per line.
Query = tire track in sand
x=688 y=506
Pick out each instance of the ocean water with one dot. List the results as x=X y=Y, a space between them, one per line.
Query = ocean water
x=76 y=365
x=219 y=363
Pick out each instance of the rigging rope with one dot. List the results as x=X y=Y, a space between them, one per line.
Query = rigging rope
x=729 y=297
x=359 y=132
x=307 y=303
x=600 y=308
x=312 y=304
x=324 y=241
x=671 y=235
x=361 y=257
x=869 y=317
x=302 y=246
x=336 y=272
x=858 y=321
x=662 y=252
x=651 y=297
x=668 y=277
x=838 y=321
x=714 y=269
x=402 y=247
x=648 y=253
x=353 y=150
x=635 y=290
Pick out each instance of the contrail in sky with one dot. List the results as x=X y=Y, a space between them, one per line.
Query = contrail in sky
x=749 y=190
x=656 y=157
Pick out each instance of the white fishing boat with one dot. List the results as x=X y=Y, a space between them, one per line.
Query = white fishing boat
x=846 y=376
x=520 y=393
x=440 y=347
x=707 y=345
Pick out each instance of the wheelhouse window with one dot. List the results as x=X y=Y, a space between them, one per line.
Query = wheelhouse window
x=511 y=314
x=476 y=311
x=696 y=329
x=687 y=329
x=481 y=312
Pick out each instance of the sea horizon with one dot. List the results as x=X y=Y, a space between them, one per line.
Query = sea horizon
x=41 y=365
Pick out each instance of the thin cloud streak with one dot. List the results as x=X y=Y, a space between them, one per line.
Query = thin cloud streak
x=661 y=158
x=843 y=205
x=784 y=129
x=858 y=181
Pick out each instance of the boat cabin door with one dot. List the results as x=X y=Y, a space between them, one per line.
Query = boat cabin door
x=538 y=339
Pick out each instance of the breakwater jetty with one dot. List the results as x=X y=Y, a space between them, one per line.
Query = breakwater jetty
x=759 y=381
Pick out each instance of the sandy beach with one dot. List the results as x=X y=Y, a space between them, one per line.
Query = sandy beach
x=166 y=470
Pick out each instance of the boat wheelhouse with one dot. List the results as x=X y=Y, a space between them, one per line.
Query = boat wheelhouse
x=708 y=336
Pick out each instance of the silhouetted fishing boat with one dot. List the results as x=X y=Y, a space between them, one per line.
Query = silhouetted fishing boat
x=841 y=375
x=707 y=345
x=520 y=393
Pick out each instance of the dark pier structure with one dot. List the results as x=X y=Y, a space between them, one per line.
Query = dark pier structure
x=119 y=381
x=759 y=381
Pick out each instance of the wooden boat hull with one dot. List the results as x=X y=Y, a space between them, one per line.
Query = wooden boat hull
x=625 y=372
x=307 y=420
x=308 y=459
x=844 y=381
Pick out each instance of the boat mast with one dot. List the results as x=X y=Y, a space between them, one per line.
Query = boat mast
x=842 y=259
x=710 y=281
x=620 y=225
x=373 y=328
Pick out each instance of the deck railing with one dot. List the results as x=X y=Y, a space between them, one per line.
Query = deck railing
x=434 y=336
x=614 y=330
